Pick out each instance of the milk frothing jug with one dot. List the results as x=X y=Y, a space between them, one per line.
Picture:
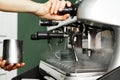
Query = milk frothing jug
x=12 y=51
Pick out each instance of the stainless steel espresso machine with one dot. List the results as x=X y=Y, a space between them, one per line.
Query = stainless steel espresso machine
x=86 y=45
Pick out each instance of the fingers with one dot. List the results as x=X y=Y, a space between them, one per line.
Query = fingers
x=62 y=5
x=18 y=65
x=68 y=3
x=4 y=66
x=10 y=66
x=2 y=63
x=53 y=3
x=62 y=17
x=51 y=9
x=57 y=17
x=58 y=5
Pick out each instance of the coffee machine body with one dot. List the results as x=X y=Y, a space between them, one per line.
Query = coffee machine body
x=86 y=45
x=100 y=13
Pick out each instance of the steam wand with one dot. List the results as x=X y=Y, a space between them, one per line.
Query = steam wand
x=75 y=54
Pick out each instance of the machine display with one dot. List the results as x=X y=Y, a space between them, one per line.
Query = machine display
x=85 y=46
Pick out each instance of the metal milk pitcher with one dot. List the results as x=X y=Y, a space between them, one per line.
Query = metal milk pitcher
x=12 y=51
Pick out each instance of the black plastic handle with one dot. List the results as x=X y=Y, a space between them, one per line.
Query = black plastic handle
x=48 y=23
x=69 y=10
x=46 y=35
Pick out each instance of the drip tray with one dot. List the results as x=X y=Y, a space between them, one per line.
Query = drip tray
x=77 y=67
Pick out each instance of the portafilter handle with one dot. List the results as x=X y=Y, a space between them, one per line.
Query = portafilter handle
x=70 y=10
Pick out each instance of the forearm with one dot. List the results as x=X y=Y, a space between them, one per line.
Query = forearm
x=46 y=10
x=19 y=6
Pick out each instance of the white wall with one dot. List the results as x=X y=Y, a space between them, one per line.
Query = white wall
x=8 y=30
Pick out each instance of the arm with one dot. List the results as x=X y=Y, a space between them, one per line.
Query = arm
x=19 y=6
x=43 y=10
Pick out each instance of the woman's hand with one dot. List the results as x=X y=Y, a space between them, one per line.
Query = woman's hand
x=10 y=67
x=50 y=9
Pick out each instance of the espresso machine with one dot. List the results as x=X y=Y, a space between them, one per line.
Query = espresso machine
x=86 y=46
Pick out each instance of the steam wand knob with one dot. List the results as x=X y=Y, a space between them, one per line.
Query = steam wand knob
x=48 y=23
